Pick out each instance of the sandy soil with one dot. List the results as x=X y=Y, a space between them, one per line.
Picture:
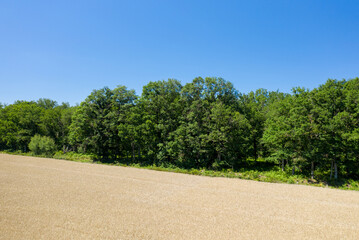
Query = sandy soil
x=54 y=199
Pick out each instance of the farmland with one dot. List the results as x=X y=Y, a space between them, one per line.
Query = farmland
x=44 y=198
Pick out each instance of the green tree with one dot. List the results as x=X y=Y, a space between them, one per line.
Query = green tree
x=328 y=102
x=276 y=134
x=348 y=125
x=42 y=145
x=19 y=122
x=55 y=122
x=130 y=131
x=227 y=136
x=202 y=138
x=94 y=126
x=160 y=102
x=47 y=103
x=255 y=106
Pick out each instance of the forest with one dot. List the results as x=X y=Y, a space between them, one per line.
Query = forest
x=204 y=124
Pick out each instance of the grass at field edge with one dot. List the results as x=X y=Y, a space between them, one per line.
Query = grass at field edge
x=272 y=176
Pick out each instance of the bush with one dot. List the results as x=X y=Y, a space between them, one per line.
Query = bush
x=73 y=156
x=41 y=145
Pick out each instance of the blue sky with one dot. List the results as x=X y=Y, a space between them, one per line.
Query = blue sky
x=64 y=49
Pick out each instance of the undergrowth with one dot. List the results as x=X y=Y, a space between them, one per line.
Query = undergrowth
x=273 y=174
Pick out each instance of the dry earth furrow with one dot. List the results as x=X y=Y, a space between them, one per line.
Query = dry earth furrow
x=55 y=199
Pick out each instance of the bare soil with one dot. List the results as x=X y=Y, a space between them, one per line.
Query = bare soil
x=54 y=199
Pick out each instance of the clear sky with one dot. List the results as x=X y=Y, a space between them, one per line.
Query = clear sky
x=64 y=49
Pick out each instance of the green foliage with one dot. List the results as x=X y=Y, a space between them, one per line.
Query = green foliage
x=203 y=127
x=94 y=125
x=22 y=120
x=19 y=122
x=161 y=108
x=42 y=145
x=273 y=175
x=73 y=156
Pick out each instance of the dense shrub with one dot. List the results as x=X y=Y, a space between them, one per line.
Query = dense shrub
x=42 y=145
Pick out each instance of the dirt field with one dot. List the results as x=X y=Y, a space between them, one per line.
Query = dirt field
x=54 y=199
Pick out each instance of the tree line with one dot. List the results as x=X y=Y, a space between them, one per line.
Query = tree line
x=206 y=123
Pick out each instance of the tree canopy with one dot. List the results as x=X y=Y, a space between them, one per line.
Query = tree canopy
x=206 y=123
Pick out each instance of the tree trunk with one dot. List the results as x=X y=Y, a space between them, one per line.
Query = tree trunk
x=293 y=169
x=312 y=170
x=331 y=170
x=133 y=152
x=255 y=150
x=139 y=153
x=282 y=164
x=335 y=170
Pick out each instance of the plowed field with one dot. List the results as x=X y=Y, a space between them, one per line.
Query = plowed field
x=54 y=199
